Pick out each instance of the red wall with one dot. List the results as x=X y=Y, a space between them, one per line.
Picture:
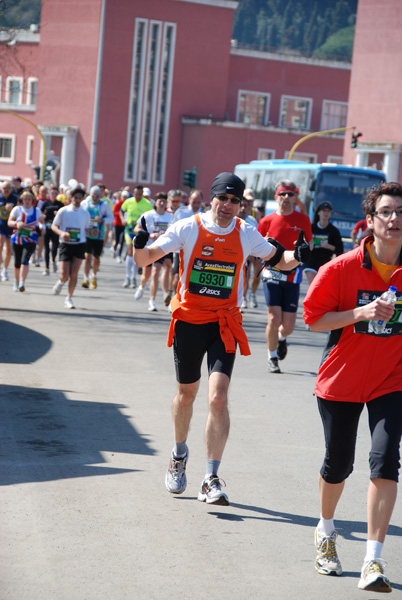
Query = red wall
x=287 y=78
x=375 y=106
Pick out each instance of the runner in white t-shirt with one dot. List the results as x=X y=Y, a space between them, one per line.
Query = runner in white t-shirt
x=157 y=222
x=71 y=223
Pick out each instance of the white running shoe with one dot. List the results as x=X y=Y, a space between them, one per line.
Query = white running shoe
x=211 y=491
x=21 y=287
x=4 y=275
x=46 y=272
x=253 y=300
x=57 y=288
x=139 y=293
x=16 y=287
x=372 y=577
x=176 y=480
x=244 y=304
x=68 y=303
x=126 y=283
x=118 y=260
x=327 y=561
x=152 y=306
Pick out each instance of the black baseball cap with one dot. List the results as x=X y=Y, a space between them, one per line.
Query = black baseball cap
x=227 y=183
x=324 y=205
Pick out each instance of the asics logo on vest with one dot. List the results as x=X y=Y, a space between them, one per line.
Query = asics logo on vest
x=206 y=290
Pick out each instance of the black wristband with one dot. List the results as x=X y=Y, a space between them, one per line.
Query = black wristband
x=278 y=254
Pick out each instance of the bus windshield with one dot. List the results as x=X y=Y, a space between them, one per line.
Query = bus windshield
x=345 y=191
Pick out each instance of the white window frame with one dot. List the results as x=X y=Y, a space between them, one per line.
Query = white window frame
x=140 y=100
x=8 y=90
x=10 y=136
x=324 y=102
x=309 y=111
x=31 y=81
x=150 y=114
x=168 y=99
x=331 y=158
x=253 y=93
x=29 y=149
x=261 y=150
x=303 y=156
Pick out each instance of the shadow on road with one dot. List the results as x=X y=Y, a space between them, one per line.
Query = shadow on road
x=45 y=436
x=20 y=345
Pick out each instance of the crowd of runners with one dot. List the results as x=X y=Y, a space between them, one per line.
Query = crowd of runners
x=209 y=255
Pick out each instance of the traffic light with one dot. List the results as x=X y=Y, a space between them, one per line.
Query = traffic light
x=51 y=165
x=37 y=171
x=355 y=137
x=190 y=178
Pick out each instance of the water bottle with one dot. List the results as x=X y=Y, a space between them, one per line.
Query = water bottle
x=378 y=326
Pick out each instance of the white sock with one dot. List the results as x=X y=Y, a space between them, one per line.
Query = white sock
x=373 y=550
x=281 y=338
x=272 y=354
x=325 y=526
x=129 y=266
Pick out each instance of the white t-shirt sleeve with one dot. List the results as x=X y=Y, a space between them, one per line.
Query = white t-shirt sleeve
x=259 y=246
x=177 y=235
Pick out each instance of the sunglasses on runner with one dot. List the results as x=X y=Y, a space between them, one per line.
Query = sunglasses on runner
x=290 y=194
x=223 y=198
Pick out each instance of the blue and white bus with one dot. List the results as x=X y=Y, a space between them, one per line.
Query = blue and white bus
x=343 y=186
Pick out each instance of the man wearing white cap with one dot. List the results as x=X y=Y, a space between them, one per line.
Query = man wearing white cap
x=101 y=216
x=206 y=317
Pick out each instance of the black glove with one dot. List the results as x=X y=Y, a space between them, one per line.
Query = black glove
x=140 y=240
x=278 y=254
x=302 y=249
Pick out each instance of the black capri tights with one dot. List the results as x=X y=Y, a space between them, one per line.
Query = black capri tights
x=22 y=253
x=340 y=421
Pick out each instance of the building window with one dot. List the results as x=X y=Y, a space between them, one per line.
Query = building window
x=295 y=112
x=308 y=158
x=164 y=102
x=338 y=160
x=14 y=90
x=151 y=85
x=7 y=148
x=29 y=151
x=265 y=154
x=32 y=91
x=333 y=115
x=252 y=108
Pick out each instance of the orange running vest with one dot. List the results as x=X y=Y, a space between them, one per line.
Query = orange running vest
x=208 y=288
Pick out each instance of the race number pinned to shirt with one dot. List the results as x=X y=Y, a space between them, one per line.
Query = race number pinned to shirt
x=212 y=278
x=394 y=325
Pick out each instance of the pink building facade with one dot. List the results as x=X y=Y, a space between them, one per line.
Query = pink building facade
x=375 y=108
x=129 y=93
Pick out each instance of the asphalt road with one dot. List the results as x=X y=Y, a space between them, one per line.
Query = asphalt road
x=85 y=439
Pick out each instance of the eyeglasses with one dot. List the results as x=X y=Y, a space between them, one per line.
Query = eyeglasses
x=283 y=194
x=223 y=198
x=386 y=213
